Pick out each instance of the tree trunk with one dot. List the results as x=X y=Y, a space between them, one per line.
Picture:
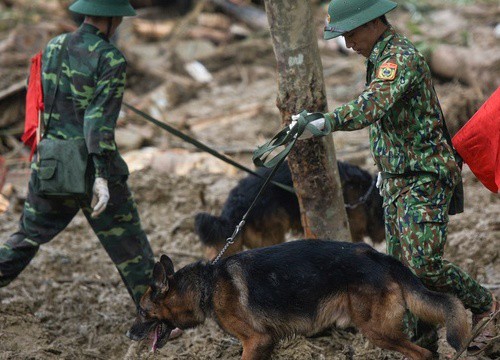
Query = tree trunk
x=312 y=162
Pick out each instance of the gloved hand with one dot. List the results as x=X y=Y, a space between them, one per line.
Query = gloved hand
x=378 y=184
x=296 y=117
x=292 y=124
x=100 y=196
x=318 y=124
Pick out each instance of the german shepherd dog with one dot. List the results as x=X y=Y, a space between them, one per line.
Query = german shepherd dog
x=300 y=287
x=278 y=212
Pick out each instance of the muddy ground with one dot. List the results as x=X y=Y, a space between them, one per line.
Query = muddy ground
x=70 y=302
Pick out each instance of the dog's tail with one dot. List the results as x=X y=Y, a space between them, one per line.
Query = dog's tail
x=211 y=230
x=434 y=307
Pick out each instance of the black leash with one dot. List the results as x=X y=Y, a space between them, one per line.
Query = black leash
x=363 y=198
x=202 y=146
x=230 y=240
x=287 y=138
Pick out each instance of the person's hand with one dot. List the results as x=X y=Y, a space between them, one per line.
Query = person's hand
x=318 y=124
x=296 y=116
x=378 y=184
x=100 y=196
x=292 y=124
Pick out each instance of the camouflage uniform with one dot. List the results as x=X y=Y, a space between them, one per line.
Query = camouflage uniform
x=408 y=145
x=87 y=105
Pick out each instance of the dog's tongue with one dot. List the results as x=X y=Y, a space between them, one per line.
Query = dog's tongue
x=154 y=346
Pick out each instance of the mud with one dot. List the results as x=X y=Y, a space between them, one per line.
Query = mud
x=70 y=302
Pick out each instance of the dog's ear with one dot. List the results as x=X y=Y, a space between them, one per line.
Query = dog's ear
x=168 y=265
x=160 y=281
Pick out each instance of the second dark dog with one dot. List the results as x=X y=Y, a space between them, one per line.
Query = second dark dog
x=278 y=212
x=300 y=287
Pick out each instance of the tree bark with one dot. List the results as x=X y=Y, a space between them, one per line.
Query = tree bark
x=300 y=76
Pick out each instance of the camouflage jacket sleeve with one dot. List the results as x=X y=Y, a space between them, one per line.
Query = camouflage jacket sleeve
x=377 y=99
x=103 y=110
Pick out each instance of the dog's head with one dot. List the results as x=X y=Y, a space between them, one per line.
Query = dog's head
x=154 y=318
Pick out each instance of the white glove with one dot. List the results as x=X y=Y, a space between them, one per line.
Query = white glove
x=291 y=126
x=318 y=124
x=100 y=196
x=378 y=184
x=296 y=116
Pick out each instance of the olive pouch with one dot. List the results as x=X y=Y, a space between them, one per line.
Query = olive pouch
x=62 y=168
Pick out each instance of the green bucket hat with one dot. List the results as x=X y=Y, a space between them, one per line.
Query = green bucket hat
x=105 y=8
x=346 y=15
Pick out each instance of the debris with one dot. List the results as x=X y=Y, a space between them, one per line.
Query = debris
x=450 y=62
x=13 y=89
x=239 y=31
x=191 y=50
x=241 y=52
x=4 y=204
x=153 y=30
x=469 y=65
x=445 y=24
x=128 y=139
x=214 y=20
x=247 y=111
x=175 y=90
x=216 y=36
x=198 y=72
x=182 y=162
x=249 y=14
x=138 y=160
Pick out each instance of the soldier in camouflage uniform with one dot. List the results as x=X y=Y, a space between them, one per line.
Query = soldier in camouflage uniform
x=418 y=168
x=86 y=106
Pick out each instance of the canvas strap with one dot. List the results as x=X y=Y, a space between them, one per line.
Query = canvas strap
x=59 y=70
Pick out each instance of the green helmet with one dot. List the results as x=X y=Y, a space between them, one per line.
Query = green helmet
x=105 y=8
x=346 y=15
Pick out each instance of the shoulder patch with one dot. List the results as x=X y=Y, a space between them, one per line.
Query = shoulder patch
x=387 y=71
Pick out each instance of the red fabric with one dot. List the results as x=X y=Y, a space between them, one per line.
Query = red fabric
x=34 y=103
x=478 y=143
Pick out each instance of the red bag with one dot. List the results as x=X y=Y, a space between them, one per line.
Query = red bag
x=478 y=143
x=34 y=104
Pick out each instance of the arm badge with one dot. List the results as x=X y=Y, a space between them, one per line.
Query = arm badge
x=387 y=71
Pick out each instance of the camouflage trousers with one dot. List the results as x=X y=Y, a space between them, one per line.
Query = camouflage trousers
x=416 y=224
x=118 y=229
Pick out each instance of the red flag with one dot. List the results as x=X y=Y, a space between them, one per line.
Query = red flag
x=34 y=104
x=478 y=143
